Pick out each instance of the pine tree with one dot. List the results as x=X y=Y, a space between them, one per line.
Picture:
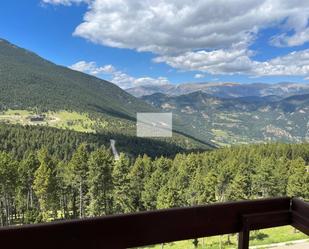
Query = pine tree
x=153 y=184
x=100 y=182
x=226 y=172
x=63 y=187
x=281 y=174
x=44 y=184
x=122 y=191
x=8 y=185
x=298 y=181
x=203 y=188
x=173 y=192
x=78 y=172
x=264 y=180
x=139 y=174
x=237 y=188
x=26 y=200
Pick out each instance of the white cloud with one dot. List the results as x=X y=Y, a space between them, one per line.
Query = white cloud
x=166 y=26
x=92 y=68
x=118 y=77
x=239 y=62
x=65 y=2
x=221 y=61
x=297 y=23
x=210 y=36
x=295 y=63
x=199 y=76
x=285 y=40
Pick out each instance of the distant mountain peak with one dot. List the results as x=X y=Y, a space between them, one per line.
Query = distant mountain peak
x=226 y=89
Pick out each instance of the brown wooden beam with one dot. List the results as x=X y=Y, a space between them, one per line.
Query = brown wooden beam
x=139 y=229
x=268 y=219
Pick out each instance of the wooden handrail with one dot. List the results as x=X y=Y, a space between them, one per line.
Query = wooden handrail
x=146 y=228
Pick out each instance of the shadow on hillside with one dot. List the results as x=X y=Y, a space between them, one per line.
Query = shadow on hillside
x=133 y=119
x=112 y=113
x=62 y=143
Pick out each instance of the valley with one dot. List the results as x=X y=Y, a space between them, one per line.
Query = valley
x=226 y=121
x=31 y=85
x=205 y=115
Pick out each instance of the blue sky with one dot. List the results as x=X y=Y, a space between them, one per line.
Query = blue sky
x=151 y=44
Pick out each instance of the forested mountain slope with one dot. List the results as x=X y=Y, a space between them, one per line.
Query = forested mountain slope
x=29 y=82
x=20 y=140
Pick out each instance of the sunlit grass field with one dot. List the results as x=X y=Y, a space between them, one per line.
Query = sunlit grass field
x=61 y=119
x=257 y=238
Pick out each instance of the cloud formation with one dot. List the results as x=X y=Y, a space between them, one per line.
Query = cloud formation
x=239 y=62
x=215 y=62
x=295 y=63
x=211 y=36
x=168 y=26
x=118 y=77
x=92 y=68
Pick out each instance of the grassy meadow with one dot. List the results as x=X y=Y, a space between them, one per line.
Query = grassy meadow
x=61 y=119
x=257 y=238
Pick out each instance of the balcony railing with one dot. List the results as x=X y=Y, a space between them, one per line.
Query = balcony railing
x=146 y=228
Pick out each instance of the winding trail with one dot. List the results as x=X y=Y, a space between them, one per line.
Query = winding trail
x=114 y=150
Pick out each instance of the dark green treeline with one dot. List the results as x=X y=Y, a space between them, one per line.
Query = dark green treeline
x=43 y=187
x=22 y=140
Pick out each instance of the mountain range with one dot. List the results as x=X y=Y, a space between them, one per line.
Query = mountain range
x=204 y=114
x=224 y=90
x=249 y=119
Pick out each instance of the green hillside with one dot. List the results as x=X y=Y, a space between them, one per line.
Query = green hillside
x=31 y=84
x=28 y=81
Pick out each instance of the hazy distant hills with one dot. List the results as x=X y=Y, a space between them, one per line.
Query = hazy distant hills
x=229 y=113
x=240 y=119
x=225 y=90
